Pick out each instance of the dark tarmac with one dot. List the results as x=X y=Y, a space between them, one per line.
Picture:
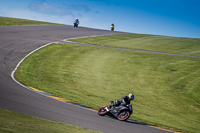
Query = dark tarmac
x=15 y=43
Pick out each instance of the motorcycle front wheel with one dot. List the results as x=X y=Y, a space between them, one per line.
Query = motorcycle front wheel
x=123 y=115
x=102 y=111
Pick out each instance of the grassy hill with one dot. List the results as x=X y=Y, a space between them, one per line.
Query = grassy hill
x=16 y=21
x=178 y=45
x=166 y=87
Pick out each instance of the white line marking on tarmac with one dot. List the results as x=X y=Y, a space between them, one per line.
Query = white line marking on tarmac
x=65 y=40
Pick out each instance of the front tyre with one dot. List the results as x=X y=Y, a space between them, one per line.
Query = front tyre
x=123 y=115
x=102 y=111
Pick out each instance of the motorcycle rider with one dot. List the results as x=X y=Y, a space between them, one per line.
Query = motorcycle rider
x=76 y=22
x=123 y=101
x=112 y=27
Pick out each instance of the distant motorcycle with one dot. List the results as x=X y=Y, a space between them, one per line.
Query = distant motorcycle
x=76 y=25
x=112 y=27
x=122 y=113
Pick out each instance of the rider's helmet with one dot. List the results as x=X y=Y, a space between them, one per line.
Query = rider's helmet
x=131 y=96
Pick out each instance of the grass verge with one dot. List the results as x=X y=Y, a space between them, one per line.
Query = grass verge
x=16 y=21
x=178 y=45
x=166 y=87
x=13 y=122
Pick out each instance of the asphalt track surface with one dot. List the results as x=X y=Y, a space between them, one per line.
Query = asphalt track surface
x=15 y=43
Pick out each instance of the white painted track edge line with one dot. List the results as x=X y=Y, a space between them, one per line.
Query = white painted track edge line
x=45 y=45
x=65 y=40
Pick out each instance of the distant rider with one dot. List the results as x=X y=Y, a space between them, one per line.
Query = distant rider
x=76 y=22
x=123 y=101
x=112 y=27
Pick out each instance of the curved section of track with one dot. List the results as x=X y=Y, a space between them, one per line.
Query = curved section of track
x=15 y=43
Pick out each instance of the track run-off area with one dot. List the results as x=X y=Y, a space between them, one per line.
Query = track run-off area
x=17 y=42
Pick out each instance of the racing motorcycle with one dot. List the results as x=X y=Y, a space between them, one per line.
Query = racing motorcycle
x=112 y=28
x=122 y=113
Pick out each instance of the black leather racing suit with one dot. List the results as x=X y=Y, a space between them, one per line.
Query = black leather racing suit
x=123 y=101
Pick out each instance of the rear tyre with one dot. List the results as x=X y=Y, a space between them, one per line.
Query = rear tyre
x=102 y=111
x=123 y=115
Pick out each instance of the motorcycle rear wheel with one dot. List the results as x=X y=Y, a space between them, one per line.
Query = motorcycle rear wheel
x=102 y=111
x=123 y=115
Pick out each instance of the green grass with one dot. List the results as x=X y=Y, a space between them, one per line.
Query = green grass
x=16 y=21
x=188 y=46
x=13 y=122
x=166 y=87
